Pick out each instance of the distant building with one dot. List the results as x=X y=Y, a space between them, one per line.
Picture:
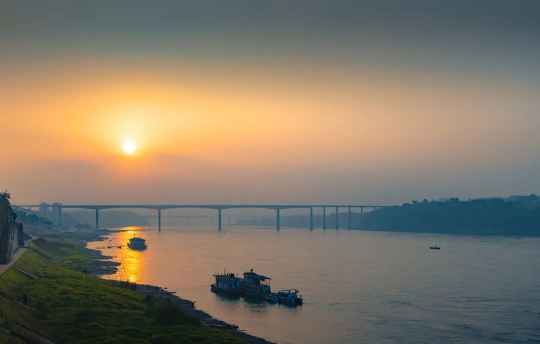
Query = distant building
x=44 y=210
x=57 y=214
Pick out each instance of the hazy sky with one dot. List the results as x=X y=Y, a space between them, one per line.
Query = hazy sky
x=262 y=101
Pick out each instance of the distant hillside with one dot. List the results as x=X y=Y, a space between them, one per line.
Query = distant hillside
x=516 y=215
x=511 y=216
x=31 y=218
x=108 y=218
x=36 y=223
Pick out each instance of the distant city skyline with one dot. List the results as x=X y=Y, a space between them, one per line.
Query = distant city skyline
x=305 y=101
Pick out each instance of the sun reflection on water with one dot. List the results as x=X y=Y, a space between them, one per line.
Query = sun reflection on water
x=131 y=260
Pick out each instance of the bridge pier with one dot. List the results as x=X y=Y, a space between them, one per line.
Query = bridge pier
x=220 y=219
x=57 y=214
x=337 y=217
x=324 y=217
x=311 y=218
x=97 y=218
x=159 y=219
x=361 y=213
x=278 y=219
x=349 y=215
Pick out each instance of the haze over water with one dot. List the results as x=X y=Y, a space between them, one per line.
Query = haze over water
x=358 y=286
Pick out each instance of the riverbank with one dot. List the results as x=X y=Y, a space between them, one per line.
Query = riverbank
x=53 y=293
x=103 y=265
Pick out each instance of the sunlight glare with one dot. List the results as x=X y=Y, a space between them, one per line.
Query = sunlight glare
x=129 y=146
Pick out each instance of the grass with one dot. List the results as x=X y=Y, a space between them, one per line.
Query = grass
x=55 y=300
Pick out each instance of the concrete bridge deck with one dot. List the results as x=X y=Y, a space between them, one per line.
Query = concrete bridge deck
x=219 y=207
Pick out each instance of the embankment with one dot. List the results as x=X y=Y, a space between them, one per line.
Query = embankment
x=51 y=295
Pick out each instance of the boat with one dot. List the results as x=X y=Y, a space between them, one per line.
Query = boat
x=137 y=244
x=253 y=287
x=227 y=284
x=289 y=297
x=434 y=247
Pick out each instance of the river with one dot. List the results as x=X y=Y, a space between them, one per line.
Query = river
x=358 y=286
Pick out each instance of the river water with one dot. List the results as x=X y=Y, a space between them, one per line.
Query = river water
x=358 y=286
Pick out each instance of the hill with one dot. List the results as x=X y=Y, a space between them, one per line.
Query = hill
x=493 y=216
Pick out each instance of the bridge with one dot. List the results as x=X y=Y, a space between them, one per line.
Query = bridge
x=57 y=210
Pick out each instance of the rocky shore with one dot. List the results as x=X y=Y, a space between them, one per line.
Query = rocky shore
x=102 y=264
x=188 y=308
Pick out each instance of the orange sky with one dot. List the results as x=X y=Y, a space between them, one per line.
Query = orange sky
x=388 y=101
x=198 y=124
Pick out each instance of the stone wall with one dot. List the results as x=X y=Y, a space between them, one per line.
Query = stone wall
x=11 y=233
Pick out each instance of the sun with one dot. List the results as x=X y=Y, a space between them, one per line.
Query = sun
x=129 y=146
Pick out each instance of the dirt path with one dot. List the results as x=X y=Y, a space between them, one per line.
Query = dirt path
x=18 y=254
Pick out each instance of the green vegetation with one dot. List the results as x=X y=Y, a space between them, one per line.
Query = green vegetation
x=46 y=294
x=518 y=215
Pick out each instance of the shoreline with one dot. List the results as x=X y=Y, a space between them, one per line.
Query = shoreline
x=104 y=265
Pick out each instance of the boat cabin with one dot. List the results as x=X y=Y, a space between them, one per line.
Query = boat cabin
x=255 y=278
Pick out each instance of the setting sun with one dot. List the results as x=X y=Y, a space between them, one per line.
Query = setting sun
x=129 y=146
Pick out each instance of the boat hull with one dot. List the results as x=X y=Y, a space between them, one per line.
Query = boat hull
x=225 y=292
x=251 y=288
x=137 y=247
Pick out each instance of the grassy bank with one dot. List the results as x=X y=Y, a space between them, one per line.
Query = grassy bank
x=47 y=295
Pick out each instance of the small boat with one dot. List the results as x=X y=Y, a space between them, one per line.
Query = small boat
x=137 y=244
x=289 y=297
x=434 y=247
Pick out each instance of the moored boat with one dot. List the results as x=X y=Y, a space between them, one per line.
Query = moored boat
x=289 y=297
x=138 y=244
x=227 y=284
x=254 y=287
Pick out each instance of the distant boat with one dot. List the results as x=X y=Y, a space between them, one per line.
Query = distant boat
x=434 y=247
x=138 y=244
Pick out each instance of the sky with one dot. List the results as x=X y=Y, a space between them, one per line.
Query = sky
x=269 y=101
